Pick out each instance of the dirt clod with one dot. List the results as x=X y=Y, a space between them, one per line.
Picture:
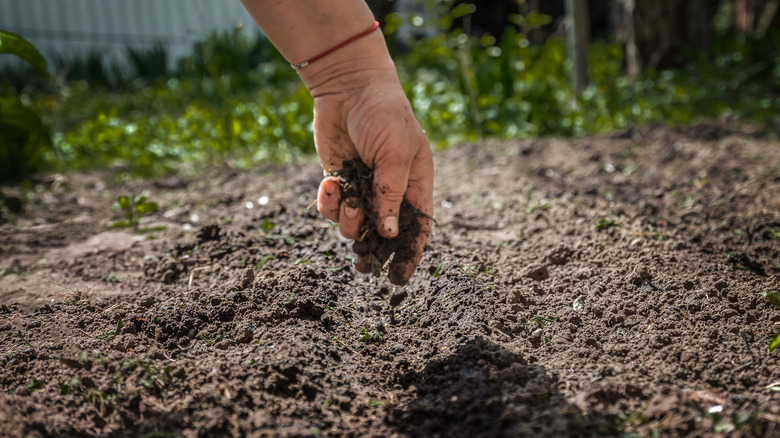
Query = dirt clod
x=357 y=185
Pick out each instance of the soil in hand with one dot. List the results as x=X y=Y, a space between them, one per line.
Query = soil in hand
x=357 y=188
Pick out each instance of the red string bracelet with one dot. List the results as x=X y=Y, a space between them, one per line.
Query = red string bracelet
x=303 y=64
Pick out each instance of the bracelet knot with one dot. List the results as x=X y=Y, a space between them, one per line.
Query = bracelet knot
x=300 y=65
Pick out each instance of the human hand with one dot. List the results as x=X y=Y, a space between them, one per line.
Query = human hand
x=362 y=112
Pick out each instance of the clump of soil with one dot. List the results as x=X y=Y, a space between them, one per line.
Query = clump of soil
x=357 y=188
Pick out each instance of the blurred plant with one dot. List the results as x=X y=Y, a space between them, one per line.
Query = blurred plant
x=25 y=139
x=149 y=64
x=132 y=208
x=236 y=102
x=774 y=299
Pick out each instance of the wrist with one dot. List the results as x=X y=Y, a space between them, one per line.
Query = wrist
x=352 y=67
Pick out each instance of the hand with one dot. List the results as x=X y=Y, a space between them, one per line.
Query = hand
x=361 y=111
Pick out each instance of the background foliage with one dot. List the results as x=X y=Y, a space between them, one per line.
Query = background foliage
x=235 y=101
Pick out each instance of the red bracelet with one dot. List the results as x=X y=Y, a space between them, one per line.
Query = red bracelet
x=303 y=64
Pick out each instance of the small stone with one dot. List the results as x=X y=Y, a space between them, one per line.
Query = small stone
x=397 y=298
x=147 y=301
x=537 y=273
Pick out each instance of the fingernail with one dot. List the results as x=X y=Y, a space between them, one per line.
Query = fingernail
x=329 y=188
x=391 y=225
x=350 y=212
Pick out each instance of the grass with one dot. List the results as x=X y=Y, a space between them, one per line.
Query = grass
x=23 y=339
x=211 y=341
x=367 y=335
x=110 y=335
x=606 y=222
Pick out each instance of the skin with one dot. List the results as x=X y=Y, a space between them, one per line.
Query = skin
x=360 y=110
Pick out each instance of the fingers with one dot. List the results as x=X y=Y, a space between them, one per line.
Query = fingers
x=405 y=261
x=350 y=218
x=347 y=214
x=390 y=180
x=329 y=198
x=420 y=195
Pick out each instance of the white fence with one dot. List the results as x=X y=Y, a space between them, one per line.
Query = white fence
x=68 y=28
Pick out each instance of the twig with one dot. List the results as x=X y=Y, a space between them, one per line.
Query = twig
x=744 y=338
x=346 y=346
x=21 y=336
x=83 y=332
x=192 y=274
x=311 y=205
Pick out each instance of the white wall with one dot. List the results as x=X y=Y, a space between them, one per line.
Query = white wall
x=66 y=28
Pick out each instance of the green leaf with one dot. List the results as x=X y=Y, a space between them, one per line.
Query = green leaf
x=124 y=202
x=24 y=140
x=579 y=303
x=775 y=342
x=145 y=207
x=293 y=299
x=120 y=224
x=536 y=19
x=773 y=298
x=462 y=10
x=438 y=270
x=606 y=223
x=264 y=260
x=15 y=44
x=35 y=385
x=266 y=226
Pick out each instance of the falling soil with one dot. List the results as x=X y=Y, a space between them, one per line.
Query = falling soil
x=357 y=186
x=606 y=286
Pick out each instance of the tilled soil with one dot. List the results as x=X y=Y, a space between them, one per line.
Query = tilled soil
x=592 y=287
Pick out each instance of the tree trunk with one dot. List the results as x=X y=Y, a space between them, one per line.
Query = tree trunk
x=578 y=41
x=666 y=30
x=632 y=53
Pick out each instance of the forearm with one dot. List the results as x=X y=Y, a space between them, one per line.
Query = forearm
x=302 y=29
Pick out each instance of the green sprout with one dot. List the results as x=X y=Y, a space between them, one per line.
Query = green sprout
x=133 y=208
x=366 y=335
x=606 y=222
x=774 y=299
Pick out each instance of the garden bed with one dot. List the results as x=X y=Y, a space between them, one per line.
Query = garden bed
x=599 y=286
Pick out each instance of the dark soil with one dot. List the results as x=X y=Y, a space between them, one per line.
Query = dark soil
x=357 y=185
x=592 y=287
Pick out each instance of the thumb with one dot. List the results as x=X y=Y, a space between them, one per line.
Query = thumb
x=391 y=175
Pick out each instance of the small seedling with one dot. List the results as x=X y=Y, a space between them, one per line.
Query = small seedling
x=291 y=302
x=542 y=204
x=35 y=385
x=213 y=340
x=372 y=403
x=266 y=226
x=607 y=222
x=133 y=208
x=26 y=342
x=437 y=272
x=370 y=336
x=774 y=299
x=112 y=334
x=264 y=260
